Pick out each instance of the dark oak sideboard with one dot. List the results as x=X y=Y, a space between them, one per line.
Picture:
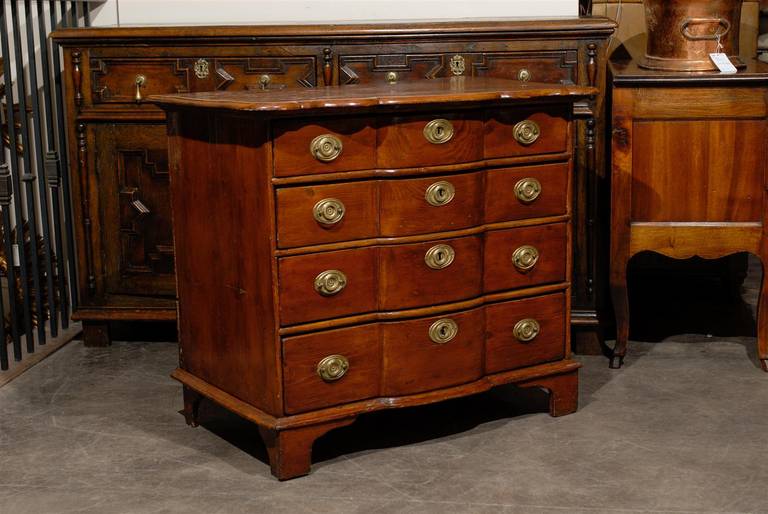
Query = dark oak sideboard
x=388 y=246
x=118 y=147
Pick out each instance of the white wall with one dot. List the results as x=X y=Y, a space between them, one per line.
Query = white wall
x=211 y=12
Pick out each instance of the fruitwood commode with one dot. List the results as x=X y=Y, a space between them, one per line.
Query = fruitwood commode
x=689 y=173
x=375 y=246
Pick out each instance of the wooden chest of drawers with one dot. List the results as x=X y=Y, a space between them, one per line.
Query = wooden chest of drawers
x=377 y=246
x=118 y=148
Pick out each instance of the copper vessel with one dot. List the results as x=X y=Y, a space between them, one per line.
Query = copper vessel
x=682 y=33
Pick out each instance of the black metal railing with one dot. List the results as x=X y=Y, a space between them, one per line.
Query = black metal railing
x=37 y=286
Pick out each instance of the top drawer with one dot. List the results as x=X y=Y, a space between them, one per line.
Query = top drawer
x=118 y=80
x=327 y=145
x=554 y=66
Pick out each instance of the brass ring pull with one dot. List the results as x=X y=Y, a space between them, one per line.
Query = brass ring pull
x=329 y=211
x=139 y=82
x=527 y=190
x=332 y=368
x=524 y=75
x=527 y=132
x=439 y=256
x=526 y=330
x=525 y=258
x=440 y=193
x=705 y=37
x=326 y=148
x=438 y=131
x=443 y=330
x=331 y=282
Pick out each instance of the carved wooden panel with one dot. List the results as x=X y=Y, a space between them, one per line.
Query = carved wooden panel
x=113 y=80
x=550 y=66
x=137 y=238
x=362 y=69
x=558 y=66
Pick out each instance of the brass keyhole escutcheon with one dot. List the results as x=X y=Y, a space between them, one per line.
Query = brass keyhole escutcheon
x=526 y=330
x=527 y=132
x=440 y=256
x=443 y=330
x=332 y=368
x=438 y=131
x=524 y=75
x=329 y=211
x=525 y=258
x=527 y=190
x=440 y=193
x=330 y=282
x=326 y=148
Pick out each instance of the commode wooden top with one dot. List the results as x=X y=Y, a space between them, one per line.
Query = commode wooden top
x=417 y=93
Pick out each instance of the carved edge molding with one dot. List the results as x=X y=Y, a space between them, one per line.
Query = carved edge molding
x=82 y=164
x=327 y=66
x=77 y=77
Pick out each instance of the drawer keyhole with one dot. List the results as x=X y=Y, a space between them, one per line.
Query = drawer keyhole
x=440 y=256
x=440 y=193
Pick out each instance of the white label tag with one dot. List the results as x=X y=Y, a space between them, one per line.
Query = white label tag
x=723 y=63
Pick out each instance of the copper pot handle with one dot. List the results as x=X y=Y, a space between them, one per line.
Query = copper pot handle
x=705 y=37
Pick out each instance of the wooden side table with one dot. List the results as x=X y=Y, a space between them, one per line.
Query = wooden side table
x=688 y=173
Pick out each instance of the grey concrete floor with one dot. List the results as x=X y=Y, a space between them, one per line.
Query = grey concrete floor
x=682 y=428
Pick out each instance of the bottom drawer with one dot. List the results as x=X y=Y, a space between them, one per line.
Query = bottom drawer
x=399 y=358
x=524 y=332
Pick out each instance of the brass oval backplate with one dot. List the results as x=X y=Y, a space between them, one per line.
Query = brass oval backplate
x=527 y=132
x=330 y=282
x=326 y=148
x=443 y=330
x=440 y=193
x=527 y=190
x=438 y=131
x=525 y=257
x=333 y=367
x=526 y=330
x=440 y=256
x=328 y=211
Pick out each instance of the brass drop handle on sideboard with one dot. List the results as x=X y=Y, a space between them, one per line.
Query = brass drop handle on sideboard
x=139 y=82
x=330 y=282
x=526 y=330
x=443 y=330
x=525 y=258
x=524 y=75
x=527 y=190
x=527 y=132
x=440 y=256
x=329 y=211
x=326 y=147
x=332 y=368
x=440 y=193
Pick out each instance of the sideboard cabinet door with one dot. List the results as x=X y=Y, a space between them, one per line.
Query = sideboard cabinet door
x=136 y=236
